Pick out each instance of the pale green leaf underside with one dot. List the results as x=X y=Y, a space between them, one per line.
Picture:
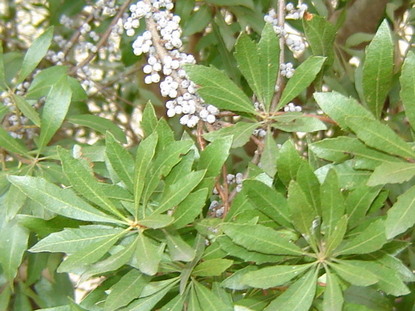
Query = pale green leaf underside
x=217 y=89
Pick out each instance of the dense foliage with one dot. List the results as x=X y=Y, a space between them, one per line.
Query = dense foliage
x=207 y=155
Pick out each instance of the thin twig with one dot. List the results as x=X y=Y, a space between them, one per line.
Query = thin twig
x=76 y=35
x=280 y=80
x=104 y=37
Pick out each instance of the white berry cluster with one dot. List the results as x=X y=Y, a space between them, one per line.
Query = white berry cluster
x=294 y=42
x=259 y=132
x=107 y=7
x=55 y=57
x=287 y=70
x=15 y=121
x=162 y=42
x=234 y=179
x=86 y=42
x=295 y=13
x=271 y=18
x=259 y=106
x=292 y=108
x=66 y=21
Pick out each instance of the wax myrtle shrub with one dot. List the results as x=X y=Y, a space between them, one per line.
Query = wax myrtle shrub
x=268 y=171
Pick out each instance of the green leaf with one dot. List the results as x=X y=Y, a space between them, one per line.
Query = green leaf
x=224 y=37
x=310 y=185
x=176 y=193
x=288 y=162
x=388 y=282
x=246 y=3
x=379 y=136
x=407 y=92
x=198 y=21
x=156 y=286
x=268 y=201
x=113 y=262
x=378 y=69
x=269 y=155
x=303 y=215
x=120 y=159
x=27 y=109
x=147 y=255
x=43 y=228
x=217 y=89
x=128 y=288
x=35 y=54
x=3 y=85
x=208 y=300
x=182 y=168
x=189 y=208
x=333 y=295
x=339 y=107
x=394 y=264
x=369 y=158
x=147 y=302
x=14 y=239
x=11 y=144
x=165 y=135
x=248 y=60
x=149 y=120
x=359 y=201
x=299 y=295
x=213 y=251
x=337 y=235
x=78 y=92
x=302 y=78
x=145 y=153
x=176 y=304
x=214 y=156
x=193 y=302
x=349 y=178
x=273 y=276
x=13 y=202
x=179 y=250
x=238 y=251
x=162 y=165
x=212 y=267
x=101 y=125
x=224 y=295
x=199 y=245
x=369 y=240
x=350 y=271
x=335 y=149
x=89 y=254
x=234 y=281
x=60 y=201
x=71 y=240
x=269 y=53
x=320 y=34
x=365 y=298
x=85 y=183
x=44 y=80
x=301 y=124
x=54 y=111
x=402 y=214
x=241 y=133
x=261 y=239
x=156 y=221
x=332 y=203
x=391 y=173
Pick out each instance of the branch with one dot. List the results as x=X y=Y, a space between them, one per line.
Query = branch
x=280 y=80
